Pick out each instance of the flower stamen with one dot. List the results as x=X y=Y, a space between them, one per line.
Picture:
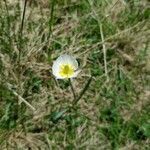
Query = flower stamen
x=66 y=70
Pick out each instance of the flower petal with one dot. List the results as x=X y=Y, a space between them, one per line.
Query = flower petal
x=67 y=59
x=76 y=73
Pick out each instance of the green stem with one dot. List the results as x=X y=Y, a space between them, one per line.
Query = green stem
x=51 y=18
x=72 y=89
x=8 y=21
x=21 y=30
x=23 y=17
x=83 y=91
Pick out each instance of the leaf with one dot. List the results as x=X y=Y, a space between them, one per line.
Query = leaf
x=146 y=129
x=56 y=115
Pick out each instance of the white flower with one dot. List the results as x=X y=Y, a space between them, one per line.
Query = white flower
x=65 y=66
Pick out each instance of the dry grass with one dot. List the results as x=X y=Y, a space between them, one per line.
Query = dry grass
x=112 y=114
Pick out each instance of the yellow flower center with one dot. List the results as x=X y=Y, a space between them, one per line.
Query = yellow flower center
x=66 y=70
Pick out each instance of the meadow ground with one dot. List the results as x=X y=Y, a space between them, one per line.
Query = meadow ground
x=109 y=38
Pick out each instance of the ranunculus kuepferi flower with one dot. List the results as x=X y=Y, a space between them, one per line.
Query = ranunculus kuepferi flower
x=65 y=66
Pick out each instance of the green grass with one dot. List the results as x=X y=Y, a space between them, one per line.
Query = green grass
x=114 y=110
